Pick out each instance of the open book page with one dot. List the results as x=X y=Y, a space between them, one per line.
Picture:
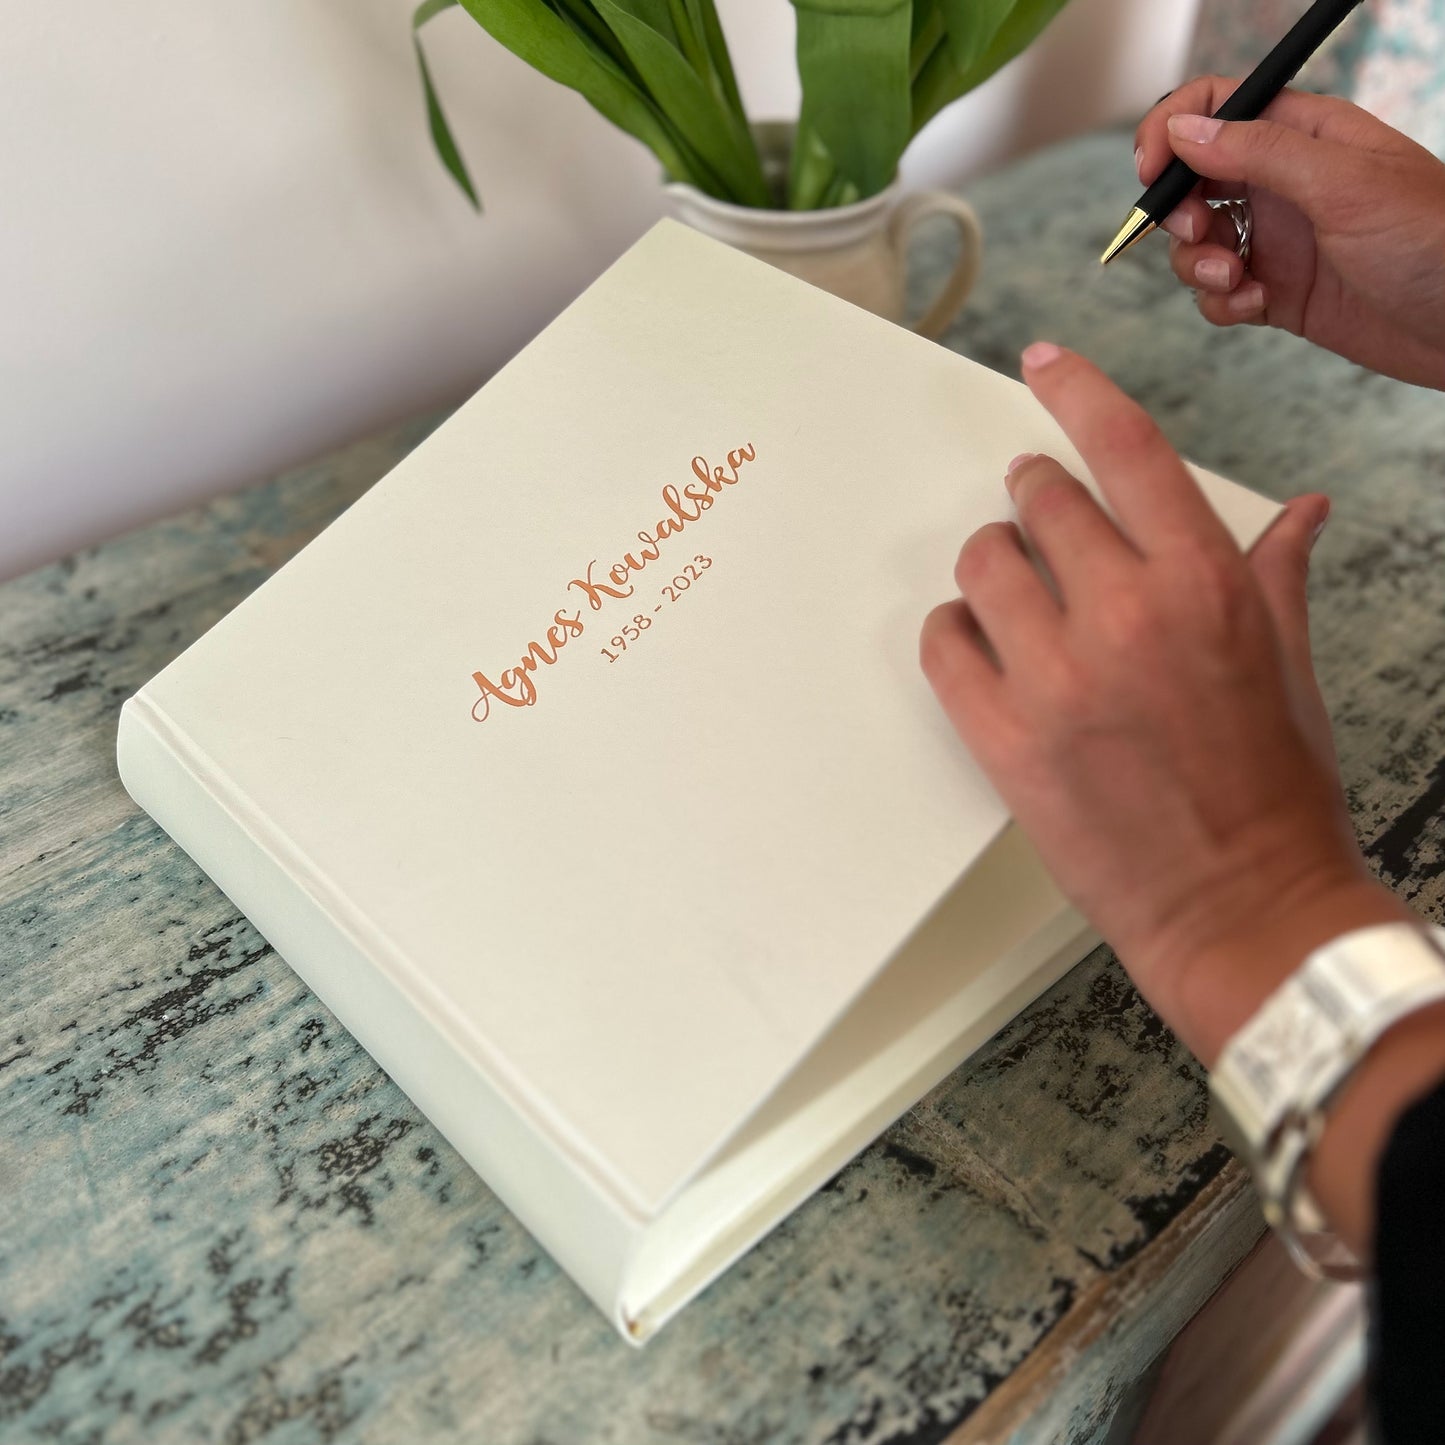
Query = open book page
x=1000 y=936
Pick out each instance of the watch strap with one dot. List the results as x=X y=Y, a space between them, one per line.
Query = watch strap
x=1321 y=1020
x=1276 y=1078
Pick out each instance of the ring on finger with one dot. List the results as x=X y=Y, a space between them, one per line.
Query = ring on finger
x=1241 y=217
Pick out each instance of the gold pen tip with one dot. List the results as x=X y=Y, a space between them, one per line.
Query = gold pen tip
x=1134 y=229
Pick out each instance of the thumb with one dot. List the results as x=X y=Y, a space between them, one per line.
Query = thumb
x=1319 y=176
x=1280 y=563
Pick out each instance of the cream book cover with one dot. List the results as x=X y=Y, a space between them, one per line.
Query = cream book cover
x=584 y=767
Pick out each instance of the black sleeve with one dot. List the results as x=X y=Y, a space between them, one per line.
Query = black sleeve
x=1407 y=1305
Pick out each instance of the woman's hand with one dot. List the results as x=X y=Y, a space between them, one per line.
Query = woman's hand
x=1349 y=224
x=1155 y=727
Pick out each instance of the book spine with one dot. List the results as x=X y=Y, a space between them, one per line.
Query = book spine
x=576 y=1223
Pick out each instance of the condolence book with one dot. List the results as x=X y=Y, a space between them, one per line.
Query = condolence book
x=584 y=767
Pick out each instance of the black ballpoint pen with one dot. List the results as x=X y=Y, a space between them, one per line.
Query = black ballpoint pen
x=1255 y=92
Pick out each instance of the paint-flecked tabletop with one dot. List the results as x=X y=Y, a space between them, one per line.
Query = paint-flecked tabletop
x=220 y=1221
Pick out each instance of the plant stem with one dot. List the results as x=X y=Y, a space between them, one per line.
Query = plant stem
x=814 y=182
x=689 y=41
x=841 y=192
x=705 y=17
x=812 y=170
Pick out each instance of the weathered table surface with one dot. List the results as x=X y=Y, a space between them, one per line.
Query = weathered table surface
x=220 y=1220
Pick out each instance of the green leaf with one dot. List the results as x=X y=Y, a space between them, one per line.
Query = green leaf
x=580 y=15
x=548 y=43
x=655 y=14
x=853 y=59
x=706 y=23
x=926 y=32
x=971 y=25
x=441 y=132
x=942 y=80
x=707 y=124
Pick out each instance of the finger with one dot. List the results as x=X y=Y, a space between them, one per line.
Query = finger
x=1069 y=529
x=1006 y=594
x=1313 y=115
x=1201 y=96
x=1141 y=476
x=1191 y=220
x=1204 y=252
x=1280 y=562
x=1195 y=219
x=1209 y=266
x=955 y=659
x=1321 y=177
x=1247 y=305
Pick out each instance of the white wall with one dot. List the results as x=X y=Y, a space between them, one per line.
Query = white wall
x=225 y=245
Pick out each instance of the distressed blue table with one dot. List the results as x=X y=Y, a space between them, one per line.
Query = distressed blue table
x=219 y=1220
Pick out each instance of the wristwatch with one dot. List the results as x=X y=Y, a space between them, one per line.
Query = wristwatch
x=1276 y=1077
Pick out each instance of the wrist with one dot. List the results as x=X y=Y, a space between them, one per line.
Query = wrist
x=1215 y=987
x=1310 y=1086
x=1403 y=1065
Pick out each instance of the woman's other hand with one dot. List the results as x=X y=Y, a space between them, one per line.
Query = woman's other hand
x=1348 y=247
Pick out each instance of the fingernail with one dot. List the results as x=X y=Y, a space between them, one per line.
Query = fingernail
x=1320 y=525
x=1041 y=354
x=1213 y=272
x=1247 y=300
x=1014 y=465
x=1179 y=223
x=1139 y=162
x=1200 y=128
